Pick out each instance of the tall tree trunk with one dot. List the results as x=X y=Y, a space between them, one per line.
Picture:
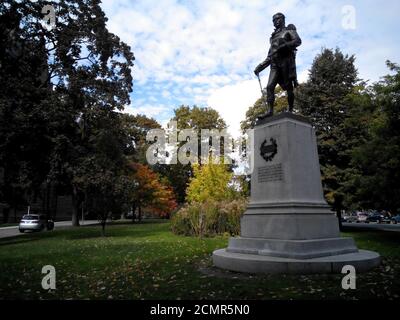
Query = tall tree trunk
x=133 y=212
x=339 y=216
x=75 y=208
x=140 y=213
x=54 y=215
x=14 y=205
x=103 y=227
x=104 y=218
x=43 y=195
x=47 y=212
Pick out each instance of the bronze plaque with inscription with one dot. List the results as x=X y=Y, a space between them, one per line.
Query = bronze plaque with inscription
x=270 y=173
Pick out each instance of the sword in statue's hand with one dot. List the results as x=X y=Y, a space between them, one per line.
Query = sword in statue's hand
x=265 y=64
x=262 y=91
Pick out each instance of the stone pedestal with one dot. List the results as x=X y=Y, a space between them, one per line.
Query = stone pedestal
x=288 y=227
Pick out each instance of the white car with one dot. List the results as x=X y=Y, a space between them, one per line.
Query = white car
x=349 y=218
x=35 y=222
x=362 y=217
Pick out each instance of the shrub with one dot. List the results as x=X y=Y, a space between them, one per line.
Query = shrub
x=209 y=218
x=181 y=223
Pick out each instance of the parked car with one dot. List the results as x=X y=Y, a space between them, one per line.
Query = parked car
x=35 y=222
x=375 y=217
x=395 y=219
x=386 y=219
x=361 y=217
x=350 y=217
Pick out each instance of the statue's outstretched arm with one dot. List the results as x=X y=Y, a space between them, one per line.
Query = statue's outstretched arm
x=263 y=65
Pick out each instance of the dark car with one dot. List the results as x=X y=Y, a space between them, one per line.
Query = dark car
x=395 y=219
x=375 y=217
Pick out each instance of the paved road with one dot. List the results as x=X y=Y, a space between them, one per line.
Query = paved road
x=374 y=226
x=7 y=232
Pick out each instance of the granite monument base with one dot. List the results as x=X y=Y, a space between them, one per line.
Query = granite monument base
x=362 y=260
x=288 y=227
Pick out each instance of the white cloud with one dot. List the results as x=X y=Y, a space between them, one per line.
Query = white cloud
x=232 y=102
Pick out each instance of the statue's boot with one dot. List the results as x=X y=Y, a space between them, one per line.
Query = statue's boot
x=269 y=113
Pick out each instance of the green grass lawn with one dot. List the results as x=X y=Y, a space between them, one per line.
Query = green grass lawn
x=147 y=261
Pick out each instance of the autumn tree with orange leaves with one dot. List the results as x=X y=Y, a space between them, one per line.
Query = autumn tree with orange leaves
x=150 y=191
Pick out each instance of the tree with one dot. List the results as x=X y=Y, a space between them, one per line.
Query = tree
x=164 y=199
x=101 y=171
x=26 y=105
x=74 y=76
x=354 y=133
x=331 y=78
x=210 y=182
x=377 y=159
x=136 y=128
x=189 y=118
x=93 y=75
x=198 y=118
x=149 y=190
x=324 y=100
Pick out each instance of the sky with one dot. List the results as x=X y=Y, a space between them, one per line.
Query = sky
x=203 y=52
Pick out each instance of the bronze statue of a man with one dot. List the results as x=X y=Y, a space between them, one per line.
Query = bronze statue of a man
x=282 y=59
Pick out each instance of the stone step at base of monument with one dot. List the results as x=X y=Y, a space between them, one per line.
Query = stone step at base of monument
x=362 y=261
x=289 y=226
x=296 y=249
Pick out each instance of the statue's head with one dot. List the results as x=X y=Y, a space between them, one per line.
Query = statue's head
x=279 y=20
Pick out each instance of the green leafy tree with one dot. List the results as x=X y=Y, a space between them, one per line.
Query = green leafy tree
x=74 y=76
x=92 y=73
x=377 y=159
x=189 y=118
x=198 y=118
x=101 y=171
x=136 y=128
x=324 y=99
x=29 y=113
